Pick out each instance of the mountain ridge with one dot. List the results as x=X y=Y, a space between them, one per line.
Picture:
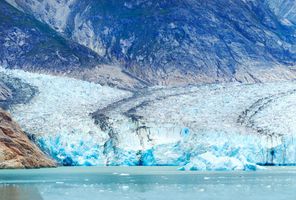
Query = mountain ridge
x=178 y=42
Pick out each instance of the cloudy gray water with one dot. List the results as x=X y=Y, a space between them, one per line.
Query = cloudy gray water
x=145 y=183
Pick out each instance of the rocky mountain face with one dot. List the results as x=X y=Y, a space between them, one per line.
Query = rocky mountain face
x=14 y=91
x=178 y=42
x=29 y=44
x=285 y=10
x=16 y=150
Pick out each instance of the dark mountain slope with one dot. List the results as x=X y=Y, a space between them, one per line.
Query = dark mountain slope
x=175 y=42
x=285 y=10
x=29 y=44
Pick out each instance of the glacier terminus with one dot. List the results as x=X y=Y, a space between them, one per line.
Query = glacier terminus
x=199 y=127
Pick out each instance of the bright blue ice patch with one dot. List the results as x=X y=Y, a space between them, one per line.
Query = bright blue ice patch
x=185 y=132
x=210 y=151
x=72 y=151
x=147 y=158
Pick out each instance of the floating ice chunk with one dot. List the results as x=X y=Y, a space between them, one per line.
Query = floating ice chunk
x=196 y=165
x=213 y=162
x=125 y=187
x=124 y=174
x=208 y=161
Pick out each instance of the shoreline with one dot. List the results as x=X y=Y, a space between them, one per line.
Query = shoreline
x=137 y=169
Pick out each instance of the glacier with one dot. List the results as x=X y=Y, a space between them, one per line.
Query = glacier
x=210 y=152
x=62 y=105
x=228 y=126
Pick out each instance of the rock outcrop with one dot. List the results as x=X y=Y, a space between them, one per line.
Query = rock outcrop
x=5 y=92
x=16 y=150
x=27 y=43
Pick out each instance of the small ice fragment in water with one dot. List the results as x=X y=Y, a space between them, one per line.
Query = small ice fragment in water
x=182 y=168
x=125 y=187
x=123 y=174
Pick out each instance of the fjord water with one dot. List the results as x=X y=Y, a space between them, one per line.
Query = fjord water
x=146 y=183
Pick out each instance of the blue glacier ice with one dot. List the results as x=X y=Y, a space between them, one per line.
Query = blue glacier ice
x=185 y=130
x=147 y=158
x=210 y=151
x=69 y=150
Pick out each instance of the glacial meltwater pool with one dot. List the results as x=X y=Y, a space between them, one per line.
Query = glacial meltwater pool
x=116 y=183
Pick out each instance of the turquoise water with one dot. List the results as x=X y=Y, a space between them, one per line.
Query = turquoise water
x=87 y=183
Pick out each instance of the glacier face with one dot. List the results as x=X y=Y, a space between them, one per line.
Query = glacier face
x=223 y=119
x=200 y=127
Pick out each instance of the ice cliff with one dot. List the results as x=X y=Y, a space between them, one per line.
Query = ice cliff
x=200 y=127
